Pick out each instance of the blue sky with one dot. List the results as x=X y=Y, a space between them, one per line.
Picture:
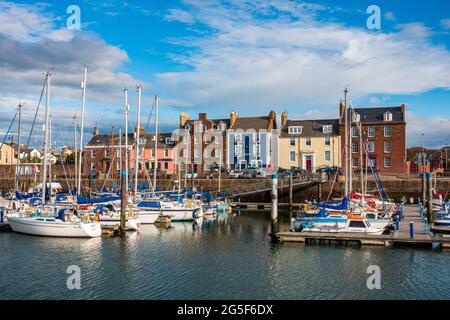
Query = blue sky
x=222 y=55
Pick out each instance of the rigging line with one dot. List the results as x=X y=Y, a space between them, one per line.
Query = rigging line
x=35 y=115
x=9 y=129
x=150 y=115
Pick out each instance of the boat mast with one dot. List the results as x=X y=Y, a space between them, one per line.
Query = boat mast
x=156 y=144
x=350 y=146
x=18 y=148
x=75 y=151
x=138 y=129
x=50 y=147
x=346 y=143
x=361 y=160
x=47 y=108
x=83 y=101
x=127 y=110
x=220 y=169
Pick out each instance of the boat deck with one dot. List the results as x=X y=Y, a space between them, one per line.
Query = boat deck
x=421 y=237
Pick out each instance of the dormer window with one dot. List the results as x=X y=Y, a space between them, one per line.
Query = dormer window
x=221 y=127
x=356 y=117
x=295 y=129
x=327 y=129
x=169 y=140
x=387 y=116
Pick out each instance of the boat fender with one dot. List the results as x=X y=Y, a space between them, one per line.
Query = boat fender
x=130 y=214
x=97 y=217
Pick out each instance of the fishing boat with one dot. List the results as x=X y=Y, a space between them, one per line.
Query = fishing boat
x=65 y=224
x=352 y=225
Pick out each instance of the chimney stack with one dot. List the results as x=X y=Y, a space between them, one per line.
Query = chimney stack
x=96 y=131
x=183 y=118
x=233 y=117
x=202 y=116
x=341 y=111
x=284 y=119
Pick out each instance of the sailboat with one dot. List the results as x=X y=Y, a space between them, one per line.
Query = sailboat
x=65 y=223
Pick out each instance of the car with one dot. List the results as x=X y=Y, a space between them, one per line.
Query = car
x=250 y=172
x=235 y=174
x=191 y=175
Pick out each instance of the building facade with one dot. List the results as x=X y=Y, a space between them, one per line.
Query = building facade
x=105 y=153
x=378 y=135
x=253 y=142
x=7 y=155
x=309 y=144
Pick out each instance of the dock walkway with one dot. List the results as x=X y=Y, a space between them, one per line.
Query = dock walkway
x=401 y=237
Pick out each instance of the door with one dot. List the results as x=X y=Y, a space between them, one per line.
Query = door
x=308 y=163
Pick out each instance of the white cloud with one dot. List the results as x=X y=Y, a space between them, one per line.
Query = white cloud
x=435 y=129
x=31 y=43
x=283 y=60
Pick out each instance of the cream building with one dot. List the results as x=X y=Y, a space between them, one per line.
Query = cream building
x=309 y=144
x=7 y=155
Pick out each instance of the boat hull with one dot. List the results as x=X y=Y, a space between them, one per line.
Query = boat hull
x=36 y=227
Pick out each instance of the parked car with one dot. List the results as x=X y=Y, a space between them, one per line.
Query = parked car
x=191 y=175
x=235 y=174
x=250 y=172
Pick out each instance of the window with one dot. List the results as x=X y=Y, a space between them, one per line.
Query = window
x=238 y=138
x=93 y=166
x=355 y=162
x=356 y=117
x=107 y=153
x=355 y=132
x=166 y=153
x=169 y=140
x=356 y=224
x=93 y=153
x=256 y=149
x=292 y=156
x=295 y=129
x=387 y=116
x=371 y=146
x=387 y=147
x=237 y=150
x=292 y=143
x=355 y=146
x=387 y=162
x=387 y=131
x=118 y=166
x=166 y=165
x=327 y=155
x=196 y=139
x=328 y=141
x=327 y=129
x=308 y=142
x=153 y=153
x=221 y=127
x=371 y=131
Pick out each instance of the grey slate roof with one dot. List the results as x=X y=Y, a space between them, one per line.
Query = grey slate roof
x=256 y=123
x=311 y=128
x=370 y=115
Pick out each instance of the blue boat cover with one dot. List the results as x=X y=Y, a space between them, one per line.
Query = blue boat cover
x=84 y=200
x=149 y=204
x=344 y=205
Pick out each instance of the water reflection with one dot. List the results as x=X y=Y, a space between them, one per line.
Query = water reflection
x=229 y=257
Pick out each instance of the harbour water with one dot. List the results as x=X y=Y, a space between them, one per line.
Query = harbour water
x=230 y=258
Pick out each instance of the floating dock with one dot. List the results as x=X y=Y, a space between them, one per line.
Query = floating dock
x=421 y=235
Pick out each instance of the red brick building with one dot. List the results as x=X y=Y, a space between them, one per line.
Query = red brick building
x=383 y=137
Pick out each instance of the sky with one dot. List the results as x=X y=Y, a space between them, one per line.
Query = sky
x=218 y=56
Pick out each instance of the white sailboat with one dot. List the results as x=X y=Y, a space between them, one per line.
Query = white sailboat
x=66 y=224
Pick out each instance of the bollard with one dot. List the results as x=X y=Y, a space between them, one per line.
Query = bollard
x=2 y=215
x=274 y=195
x=411 y=230
x=397 y=225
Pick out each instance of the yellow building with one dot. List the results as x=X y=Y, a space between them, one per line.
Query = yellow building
x=7 y=155
x=309 y=144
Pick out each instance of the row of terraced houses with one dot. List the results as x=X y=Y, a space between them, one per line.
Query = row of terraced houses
x=378 y=136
